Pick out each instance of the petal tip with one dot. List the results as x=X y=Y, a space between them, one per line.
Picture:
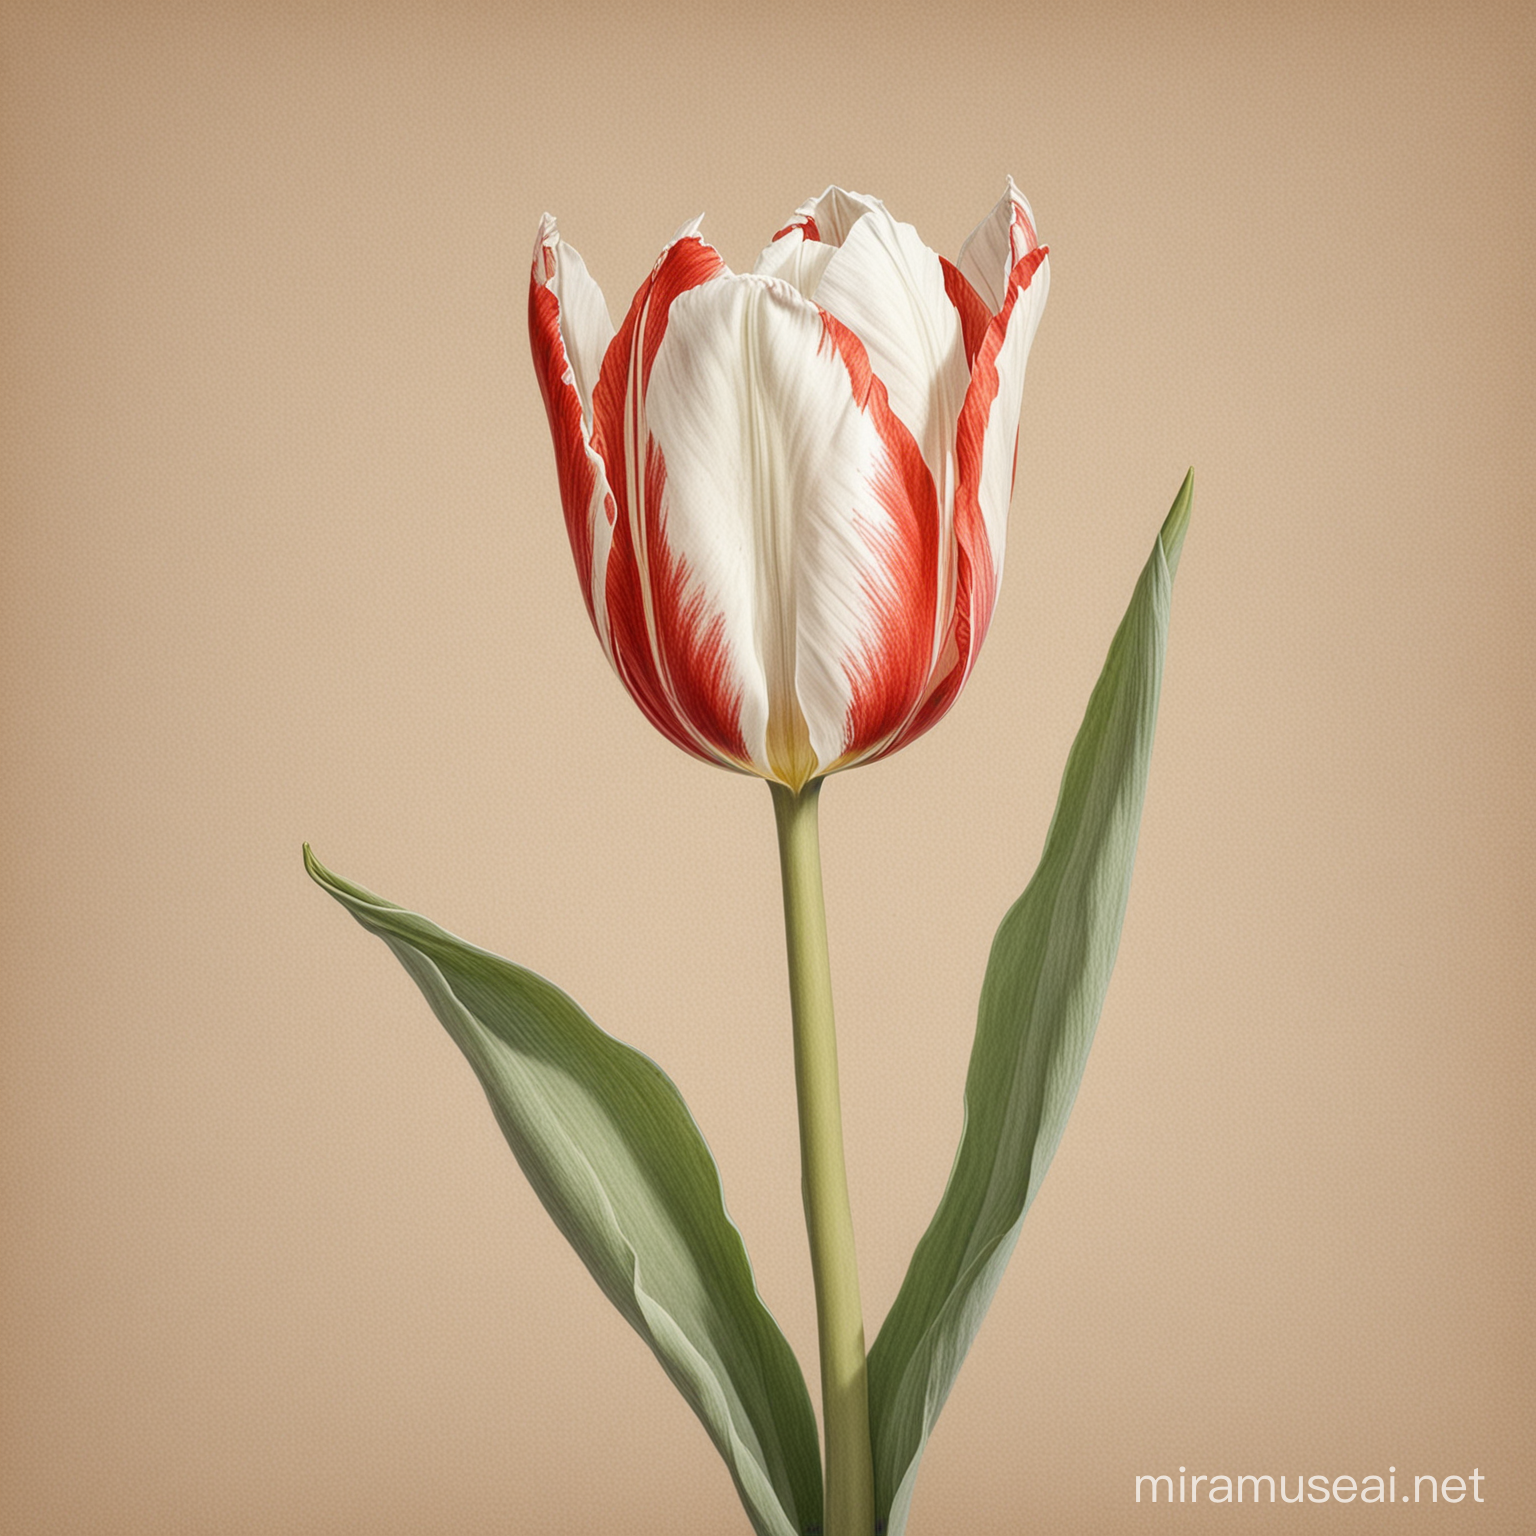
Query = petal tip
x=687 y=230
x=546 y=241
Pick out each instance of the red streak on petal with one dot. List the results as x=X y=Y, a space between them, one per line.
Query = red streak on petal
x=689 y=638
x=949 y=678
x=618 y=402
x=670 y=653
x=975 y=317
x=806 y=226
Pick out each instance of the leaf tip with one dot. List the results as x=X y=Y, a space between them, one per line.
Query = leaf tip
x=1171 y=536
x=348 y=894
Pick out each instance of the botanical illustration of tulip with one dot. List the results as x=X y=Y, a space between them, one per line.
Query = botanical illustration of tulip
x=787 y=496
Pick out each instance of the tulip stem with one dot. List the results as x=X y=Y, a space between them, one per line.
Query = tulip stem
x=850 y=1492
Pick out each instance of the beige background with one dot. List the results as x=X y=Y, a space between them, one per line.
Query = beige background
x=284 y=560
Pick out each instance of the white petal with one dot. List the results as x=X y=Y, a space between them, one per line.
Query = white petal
x=770 y=501
x=796 y=261
x=991 y=249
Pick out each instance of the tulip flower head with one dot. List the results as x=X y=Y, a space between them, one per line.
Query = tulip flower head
x=787 y=490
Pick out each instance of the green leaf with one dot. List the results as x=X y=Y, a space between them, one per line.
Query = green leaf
x=610 y=1148
x=1040 y=1002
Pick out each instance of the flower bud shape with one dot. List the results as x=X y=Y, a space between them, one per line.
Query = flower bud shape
x=787 y=490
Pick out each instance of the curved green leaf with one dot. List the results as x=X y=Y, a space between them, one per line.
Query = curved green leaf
x=610 y=1148
x=1040 y=1002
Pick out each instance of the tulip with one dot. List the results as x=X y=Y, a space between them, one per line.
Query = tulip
x=787 y=490
x=787 y=493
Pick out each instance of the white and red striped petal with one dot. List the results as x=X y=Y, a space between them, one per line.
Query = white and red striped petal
x=585 y=326
x=642 y=592
x=888 y=288
x=997 y=245
x=989 y=424
x=802 y=513
x=566 y=322
x=986 y=443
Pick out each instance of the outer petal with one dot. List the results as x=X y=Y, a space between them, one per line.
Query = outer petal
x=989 y=425
x=569 y=328
x=987 y=439
x=665 y=648
x=585 y=326
x=801 y=514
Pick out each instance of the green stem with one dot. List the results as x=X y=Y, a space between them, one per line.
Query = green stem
x=850 y=1482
